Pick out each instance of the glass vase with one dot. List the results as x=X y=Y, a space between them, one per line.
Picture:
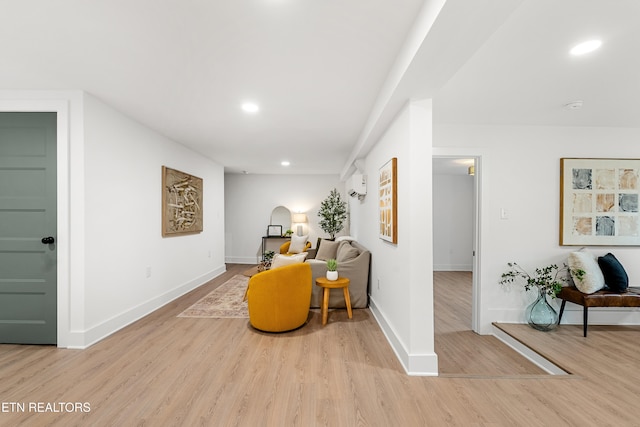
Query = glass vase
x=540 y=315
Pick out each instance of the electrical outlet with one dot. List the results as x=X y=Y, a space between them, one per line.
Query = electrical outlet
x=209 y=255
x=148 y=272
x=378 y=283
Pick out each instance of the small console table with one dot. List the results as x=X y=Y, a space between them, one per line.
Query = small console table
x=273 y=243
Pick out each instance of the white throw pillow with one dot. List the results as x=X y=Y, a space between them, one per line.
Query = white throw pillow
x=593 y=280
x=297 y=244
x=347 y=238
x=280 y=260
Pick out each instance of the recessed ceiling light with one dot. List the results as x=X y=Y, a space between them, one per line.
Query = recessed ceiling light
x=585 y=47
x=575 y=105
x=285 y=163
x=250 y=107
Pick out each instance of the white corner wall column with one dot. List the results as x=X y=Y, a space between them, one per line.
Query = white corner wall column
x=423 y=359
x=402 y=274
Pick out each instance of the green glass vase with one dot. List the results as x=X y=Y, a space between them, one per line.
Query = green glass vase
x=540 y=315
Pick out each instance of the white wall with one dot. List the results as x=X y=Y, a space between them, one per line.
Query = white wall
x=520 y=169
x=401 y=279
x=109 y=191
x=249 y=200
x=122 y=237
x=452 y=222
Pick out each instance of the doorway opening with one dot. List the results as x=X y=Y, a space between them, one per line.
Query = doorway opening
x=455 y=222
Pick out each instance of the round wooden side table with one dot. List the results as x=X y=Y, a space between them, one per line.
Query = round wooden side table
x=327 y=285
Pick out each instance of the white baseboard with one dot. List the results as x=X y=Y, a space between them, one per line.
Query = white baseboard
x=241 y=260
x=81 y=340
x=572 y=315
x=413 y=364
x=452 y=267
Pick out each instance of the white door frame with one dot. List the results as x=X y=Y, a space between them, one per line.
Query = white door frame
x=476 y=303
x=39 y=102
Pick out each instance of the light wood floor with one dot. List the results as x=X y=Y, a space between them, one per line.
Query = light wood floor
x=170 y=371
x=462 y=352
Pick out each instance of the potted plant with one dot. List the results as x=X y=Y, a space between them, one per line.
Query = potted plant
x=332 y=269
x=267 y=257
x=546 y=281
x=288 y=233
x=333 y=213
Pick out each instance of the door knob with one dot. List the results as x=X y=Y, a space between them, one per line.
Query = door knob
x=48 y=240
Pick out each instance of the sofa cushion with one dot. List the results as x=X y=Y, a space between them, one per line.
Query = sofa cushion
x=298 y=244
x=592 y=280
x=280 y=260
x=327 y=250
x=346 y=252
x=615 y=277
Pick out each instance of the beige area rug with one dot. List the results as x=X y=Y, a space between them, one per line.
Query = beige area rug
x=224 y=302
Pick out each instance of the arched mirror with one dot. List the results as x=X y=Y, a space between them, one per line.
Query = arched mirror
x=281 y=216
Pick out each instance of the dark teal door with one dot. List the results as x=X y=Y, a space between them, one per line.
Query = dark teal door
x=28 y=228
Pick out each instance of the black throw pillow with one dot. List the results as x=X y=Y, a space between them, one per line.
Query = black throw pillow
x=614 y=275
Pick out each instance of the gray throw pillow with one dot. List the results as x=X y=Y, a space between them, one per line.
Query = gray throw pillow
x=327 y=250
x=346 y=252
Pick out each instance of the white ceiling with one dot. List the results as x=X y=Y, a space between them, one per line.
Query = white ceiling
x=323 y=70
x=452 y=165
x=524 y=74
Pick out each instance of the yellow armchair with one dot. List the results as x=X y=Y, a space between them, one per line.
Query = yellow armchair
x=279 y=299
x=284 y=249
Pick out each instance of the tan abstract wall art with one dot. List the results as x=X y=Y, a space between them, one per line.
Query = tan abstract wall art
x=599 y=202
x=181 y=203
x=388 y=201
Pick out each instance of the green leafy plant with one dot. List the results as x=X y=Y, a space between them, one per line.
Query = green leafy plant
x=288 y=233
x=332 y=265
x=333 y=213
x=549 y=279
x=268 y=256
x=579 y=274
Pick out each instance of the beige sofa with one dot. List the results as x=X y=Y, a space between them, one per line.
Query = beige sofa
x=353 y=263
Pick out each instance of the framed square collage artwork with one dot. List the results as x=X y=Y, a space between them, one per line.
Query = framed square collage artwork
x=599 y=202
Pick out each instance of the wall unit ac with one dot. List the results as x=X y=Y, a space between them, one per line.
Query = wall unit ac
x=357 y=186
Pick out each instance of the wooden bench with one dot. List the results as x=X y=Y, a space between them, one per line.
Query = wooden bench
x=602 y=298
